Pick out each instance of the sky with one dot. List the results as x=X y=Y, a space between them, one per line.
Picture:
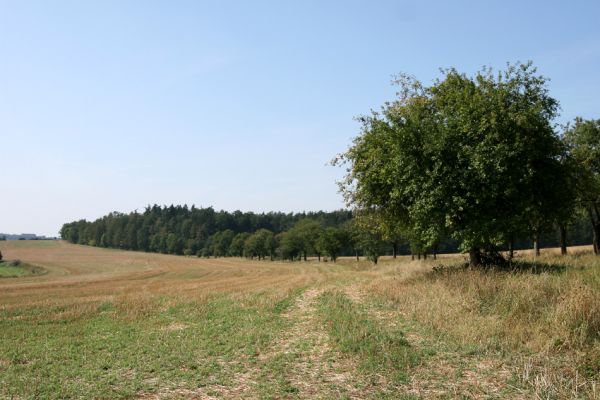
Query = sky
x=114 y=105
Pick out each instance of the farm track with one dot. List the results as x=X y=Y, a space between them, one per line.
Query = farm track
x=312 y=367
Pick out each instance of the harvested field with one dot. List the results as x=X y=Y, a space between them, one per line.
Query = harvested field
x=118 y=324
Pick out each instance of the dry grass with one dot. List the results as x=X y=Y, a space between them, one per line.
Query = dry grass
x=546 y=325
x=80 y=274
x=233 y=328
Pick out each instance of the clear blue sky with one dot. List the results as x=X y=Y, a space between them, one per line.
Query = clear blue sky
x=113 y=105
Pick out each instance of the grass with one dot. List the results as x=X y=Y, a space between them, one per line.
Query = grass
x=381 y=350
x=9 y=270
x=114 y=324
x=546 y=324
x=119 y=352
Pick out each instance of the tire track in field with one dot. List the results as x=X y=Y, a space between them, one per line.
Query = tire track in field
x=303 y=364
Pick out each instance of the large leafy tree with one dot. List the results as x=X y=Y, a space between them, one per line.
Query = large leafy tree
x=583 y=139
x=465 y=157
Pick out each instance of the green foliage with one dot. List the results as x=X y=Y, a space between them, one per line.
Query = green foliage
x=332 y=241
x=236 y=249
x=372 y=245
x=290 y=245
x=260 y=244
x=583 y=140
x=474 y=158
x=302 y=237
x=183 y=230
x=221 y=242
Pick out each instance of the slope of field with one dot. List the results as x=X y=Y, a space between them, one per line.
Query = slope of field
x=116 y=324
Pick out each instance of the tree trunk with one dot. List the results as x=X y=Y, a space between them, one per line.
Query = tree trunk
x=412 y=256
x=319 y=257
x=356 y=252
x=594 y=232
x=424 y=255
x=304 y=256
x=434 y=254
x=511 y=249
x=418 y=256
x=536 y=245
x=563 y=240
x=395 y=249
x=596 y=237
x=474 y=257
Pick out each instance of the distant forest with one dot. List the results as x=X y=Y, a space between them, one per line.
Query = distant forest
x=204 y=232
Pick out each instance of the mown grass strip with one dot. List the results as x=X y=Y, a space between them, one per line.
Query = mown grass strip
x=380 y=349
x=112 y=354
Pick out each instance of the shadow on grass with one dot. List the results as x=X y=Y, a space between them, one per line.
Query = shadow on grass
x=514 y=267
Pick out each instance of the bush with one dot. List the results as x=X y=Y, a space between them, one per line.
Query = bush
x=15 y=263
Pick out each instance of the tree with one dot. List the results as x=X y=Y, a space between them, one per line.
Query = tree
x=0 y=255
x=174 y=244
x=372 y=244
x=583 y=139
x=352 y=234
x=236 y=249
x=462 y=158
x=331 y=241
x=290 y=245
x=221 y=242
x=260 y=244
x=304 y=234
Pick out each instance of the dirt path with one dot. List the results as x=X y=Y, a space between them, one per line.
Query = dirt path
x=312 y=369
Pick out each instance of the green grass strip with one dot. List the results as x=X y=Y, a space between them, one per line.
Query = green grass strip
x=380 y=349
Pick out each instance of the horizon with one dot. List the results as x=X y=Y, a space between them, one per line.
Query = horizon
x=113 y=106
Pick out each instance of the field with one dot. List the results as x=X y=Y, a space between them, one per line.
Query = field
x=106 y=323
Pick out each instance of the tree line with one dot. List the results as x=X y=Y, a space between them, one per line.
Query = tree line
x=204 y=232
x=477 y=159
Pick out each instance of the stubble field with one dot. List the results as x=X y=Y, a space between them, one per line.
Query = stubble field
x=106 y=323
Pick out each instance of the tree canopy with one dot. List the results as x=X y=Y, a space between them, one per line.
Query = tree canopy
x=475 y=158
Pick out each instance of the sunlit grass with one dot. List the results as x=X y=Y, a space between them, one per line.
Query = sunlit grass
x=115 y=324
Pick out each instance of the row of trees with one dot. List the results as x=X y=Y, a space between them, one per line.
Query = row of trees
x=205 y=233
x=190 y=230
x=163 y=229
x=477 y=159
